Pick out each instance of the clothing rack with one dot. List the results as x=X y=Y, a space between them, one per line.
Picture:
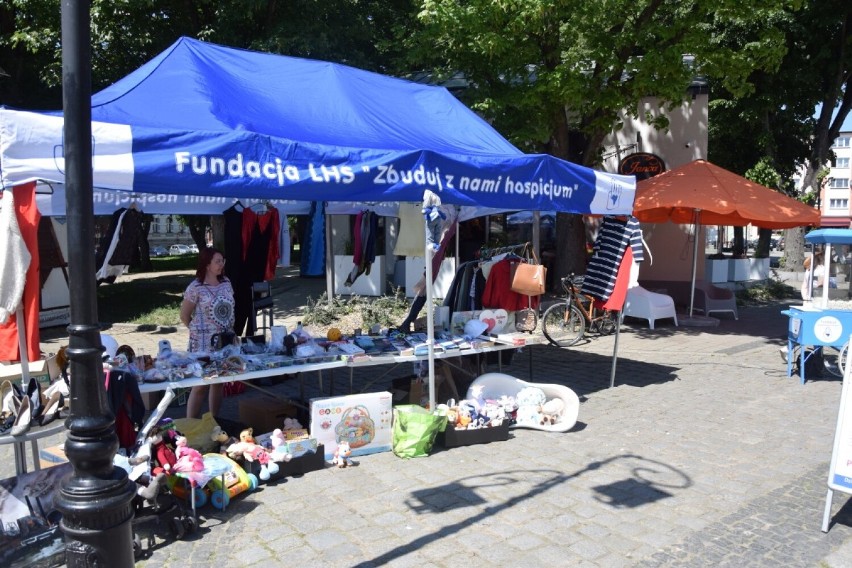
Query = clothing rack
x=487 y=253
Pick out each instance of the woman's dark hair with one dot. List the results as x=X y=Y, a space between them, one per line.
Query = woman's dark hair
x=205 y=257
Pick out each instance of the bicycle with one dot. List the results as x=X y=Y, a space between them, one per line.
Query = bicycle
x=565 y=323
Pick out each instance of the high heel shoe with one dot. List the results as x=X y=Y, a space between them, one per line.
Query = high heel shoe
x=36 y=398
x=23 y=418
x=52 y=409
x=10 y=397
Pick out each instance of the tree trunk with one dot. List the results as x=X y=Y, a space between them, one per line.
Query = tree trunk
x=794 y=249
x=571 y=245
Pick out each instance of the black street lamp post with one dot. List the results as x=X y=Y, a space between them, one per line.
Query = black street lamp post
x=96 y=500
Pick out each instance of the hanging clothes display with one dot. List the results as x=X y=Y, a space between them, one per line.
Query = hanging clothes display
x=27 y=217
x=260 y=243
x=235 y=266
x=120 y=246
x=313 y=242
x=498 y=291
x=364 y=235
x=614 y=236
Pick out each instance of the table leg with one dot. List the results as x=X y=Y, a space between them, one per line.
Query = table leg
x=20 y=458
x=34 y=446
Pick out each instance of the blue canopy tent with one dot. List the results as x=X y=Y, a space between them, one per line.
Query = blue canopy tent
x=207 y=120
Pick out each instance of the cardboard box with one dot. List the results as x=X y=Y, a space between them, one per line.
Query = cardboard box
x=45 y=371
x=51 y=456
x=364 y=420
x=265 y=414
x=303 y=464
x=406 y=390
x=452 y=438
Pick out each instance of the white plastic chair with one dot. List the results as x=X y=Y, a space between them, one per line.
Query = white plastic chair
x=641 y=303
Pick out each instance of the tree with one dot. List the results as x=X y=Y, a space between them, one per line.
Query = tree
x=554 y=77
x=776 y=119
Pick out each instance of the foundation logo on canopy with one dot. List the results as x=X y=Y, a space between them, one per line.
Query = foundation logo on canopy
x=642 y=165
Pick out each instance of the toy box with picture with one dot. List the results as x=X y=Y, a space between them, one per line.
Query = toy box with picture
x=363 y=420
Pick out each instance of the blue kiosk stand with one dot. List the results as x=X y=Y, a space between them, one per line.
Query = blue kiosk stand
x=815 y=326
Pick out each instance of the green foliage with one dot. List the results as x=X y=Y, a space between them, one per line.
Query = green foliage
x=154 y=301
x=321 y=313
x=387 y=311
x=356 y=311
x=767 y=292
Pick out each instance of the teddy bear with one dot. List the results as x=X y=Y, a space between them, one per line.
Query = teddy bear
x=342 y=455
x=222 y=438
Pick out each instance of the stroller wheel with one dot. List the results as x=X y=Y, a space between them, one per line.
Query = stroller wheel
x=190 y=524
x=220 y=499
x=176 y=525
x=252 y=481
x=200 y=497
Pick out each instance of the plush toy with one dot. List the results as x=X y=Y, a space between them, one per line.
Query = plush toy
x=463 y=419
x=529 y=415
x=292 y=424
x=552 y=410
x=342 y=455
x=188 y=459
x=162 y=454
x=434 y=216
x=248 y=450
x=222 y=438
x=279 y=451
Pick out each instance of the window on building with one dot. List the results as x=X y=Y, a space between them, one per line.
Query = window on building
x=838 y=204
x=839 y=183
x=842 y=163
x=841 y=142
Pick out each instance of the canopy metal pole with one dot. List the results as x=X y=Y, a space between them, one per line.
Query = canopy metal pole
x=615 y=350
x=430 y=329
x=329 y=262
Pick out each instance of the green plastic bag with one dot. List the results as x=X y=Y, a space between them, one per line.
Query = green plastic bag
x=414 y=430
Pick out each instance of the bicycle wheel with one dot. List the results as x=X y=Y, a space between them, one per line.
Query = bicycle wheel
x=605 y=323
x=561 y=326
x=833 y=359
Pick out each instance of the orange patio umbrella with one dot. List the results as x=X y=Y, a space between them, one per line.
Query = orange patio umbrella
x=719 y=197
x=702 y=193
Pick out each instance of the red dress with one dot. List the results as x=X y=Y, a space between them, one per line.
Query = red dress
x=28 y=218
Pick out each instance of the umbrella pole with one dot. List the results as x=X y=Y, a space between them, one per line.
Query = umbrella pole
x=694 y=259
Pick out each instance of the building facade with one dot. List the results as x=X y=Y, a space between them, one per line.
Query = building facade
x=834 y=196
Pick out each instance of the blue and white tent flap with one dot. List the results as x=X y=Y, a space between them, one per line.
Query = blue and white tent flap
x=207 y=120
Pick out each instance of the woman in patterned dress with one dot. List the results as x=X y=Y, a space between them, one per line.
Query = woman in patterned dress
x=207 y=309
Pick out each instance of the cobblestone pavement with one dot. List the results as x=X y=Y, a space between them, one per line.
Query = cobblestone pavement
x=704 y=453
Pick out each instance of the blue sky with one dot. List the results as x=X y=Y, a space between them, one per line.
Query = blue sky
x=847 y=124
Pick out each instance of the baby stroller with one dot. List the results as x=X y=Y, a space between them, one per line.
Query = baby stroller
x=154 y=502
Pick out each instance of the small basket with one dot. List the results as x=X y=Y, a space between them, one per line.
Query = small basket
x=526 y=320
